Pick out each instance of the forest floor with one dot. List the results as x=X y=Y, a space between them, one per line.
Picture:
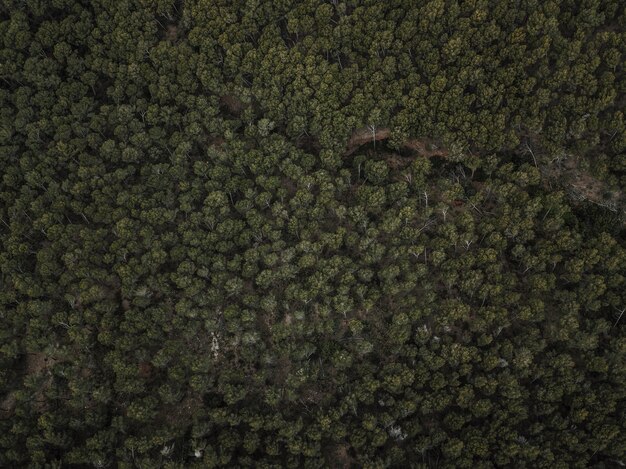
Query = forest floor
x=365 y=135
x=579 y=182
x=582 y=185
x=35 y=364
x=585 y=186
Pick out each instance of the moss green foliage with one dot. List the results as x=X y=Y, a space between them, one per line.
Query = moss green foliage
x=196 y=272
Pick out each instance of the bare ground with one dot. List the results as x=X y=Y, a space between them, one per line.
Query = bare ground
x=232 y=103
x=363 y=136
x=35 y=364
x=582 y=185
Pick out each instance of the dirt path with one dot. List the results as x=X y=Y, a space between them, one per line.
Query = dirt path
x=365 y=135
x=426 y=148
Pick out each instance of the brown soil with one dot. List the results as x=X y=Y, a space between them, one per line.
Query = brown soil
x=282 y=370
x=7 y=405
x=145 y=370
x=179 y=415
x=232 y=103
x=338 y=457
x=397 y=162
x=217 y=142
x=363 y=136
x=426 y=148
x=171 y=34
x=581 y=183
x=288 y=184
x=38 y=363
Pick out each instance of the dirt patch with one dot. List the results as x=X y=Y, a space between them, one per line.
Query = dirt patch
x=426 y=148
x=7 y=405
x=289 y=185
x=397 y=162
x=37 y=363
x=365 y=135
x=179 y=415
x=313 y=394
x=232 y=104
x=38 y=366
x=171 y=33
x=145 y=370
x=582 y=185
x=217 y=142
x=281 y=370
x=338 y=456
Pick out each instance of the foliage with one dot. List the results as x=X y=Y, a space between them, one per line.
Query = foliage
x=195 y=272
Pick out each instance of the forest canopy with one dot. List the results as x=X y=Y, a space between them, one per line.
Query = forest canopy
x=280 y=233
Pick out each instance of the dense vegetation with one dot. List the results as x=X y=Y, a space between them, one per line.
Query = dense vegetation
x=281 y=233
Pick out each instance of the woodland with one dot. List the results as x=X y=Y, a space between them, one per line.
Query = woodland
x=312 y=234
